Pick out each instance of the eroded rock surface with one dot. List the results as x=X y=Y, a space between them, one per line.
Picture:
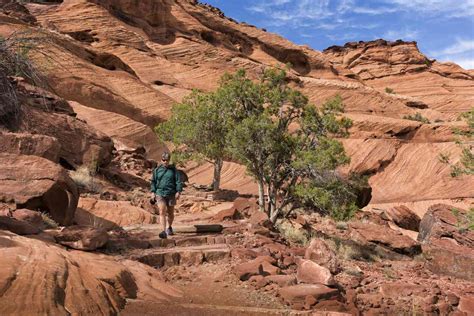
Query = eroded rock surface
x=38 y=184
x=71 y=281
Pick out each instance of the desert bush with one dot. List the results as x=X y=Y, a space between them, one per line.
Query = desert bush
x=293 y=234
x=465 y=165
x=417 y=117
x=389 y=90
x=15 y=62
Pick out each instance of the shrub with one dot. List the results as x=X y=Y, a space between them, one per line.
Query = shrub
x=465 y=166
x=389 y=90
x=417 y=117
x=15 y=62
x=293 y=234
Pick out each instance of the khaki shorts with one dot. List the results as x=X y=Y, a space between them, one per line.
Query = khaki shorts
x=167 y=200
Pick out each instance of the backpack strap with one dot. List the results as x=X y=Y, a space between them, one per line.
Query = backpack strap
x=162 y=175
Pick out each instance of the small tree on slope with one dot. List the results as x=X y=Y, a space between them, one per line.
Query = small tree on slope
x=285 y=143
x=200 y=125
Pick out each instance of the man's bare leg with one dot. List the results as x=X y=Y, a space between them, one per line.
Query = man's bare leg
x=163 y=210
x=170 y=215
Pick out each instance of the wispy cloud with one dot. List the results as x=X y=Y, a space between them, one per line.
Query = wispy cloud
x=337 y=21
x=452 y=8
x=403 y=34
x=461 y=46
x=374 y=11
x=461 y=52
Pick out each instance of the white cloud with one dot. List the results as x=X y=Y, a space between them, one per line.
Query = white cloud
x=461 y=46
x=466 y=63
x=461 y=52
x=450 y=8
x=404 y=34
x=374 y=11
x=345 y=6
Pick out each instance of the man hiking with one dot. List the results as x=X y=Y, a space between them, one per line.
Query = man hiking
x=166 y=187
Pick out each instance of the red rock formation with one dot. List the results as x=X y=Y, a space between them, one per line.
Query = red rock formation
x=36 y=183
x=126 y=64
x=70 y=282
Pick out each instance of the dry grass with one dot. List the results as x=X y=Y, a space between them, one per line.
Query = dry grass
x=48 y=221
x=15 y=62
x=85 y=179
x=294 y=234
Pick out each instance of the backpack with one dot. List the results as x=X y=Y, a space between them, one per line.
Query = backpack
x=182 y=176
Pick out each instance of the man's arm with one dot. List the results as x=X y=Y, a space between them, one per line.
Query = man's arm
x=152 y=182
x=179 y=183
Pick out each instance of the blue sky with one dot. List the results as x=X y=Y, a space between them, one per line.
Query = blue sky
x=444 y=29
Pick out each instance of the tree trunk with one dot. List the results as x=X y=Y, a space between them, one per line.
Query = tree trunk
x=216 y=181
x=274 y=215
x=273 y=211
x=261 y=195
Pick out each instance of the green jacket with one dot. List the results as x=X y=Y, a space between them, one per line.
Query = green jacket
x=166 y=181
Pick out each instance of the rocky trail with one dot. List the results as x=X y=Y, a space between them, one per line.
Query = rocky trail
x=78 y=235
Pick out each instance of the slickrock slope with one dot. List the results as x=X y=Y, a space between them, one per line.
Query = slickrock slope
x=70 y=282
x=113 y=70
x=400 y=66
x=125 y=64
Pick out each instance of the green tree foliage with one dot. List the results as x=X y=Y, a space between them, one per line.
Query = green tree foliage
x=286 y=144
x=198 y=127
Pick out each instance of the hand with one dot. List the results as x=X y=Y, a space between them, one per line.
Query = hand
x=177 y=195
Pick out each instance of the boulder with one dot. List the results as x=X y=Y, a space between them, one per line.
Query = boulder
x=403 y=217
x=228 y=214
x=18 y=227
x=466 y=304
x=82 y=237
x=370 y=234
x=32 y=217
x=448 y=246
x=244 y=205
x=447 y=256
x=319 y=252
x=36 y=272
x=296 y=295
x=80 y=143
x=36 y=183
x=110 y=214
x=443 y=220
x=259 y=218
x=312 y=273
x=29 y=144
x=280 y=280
x=262 y=265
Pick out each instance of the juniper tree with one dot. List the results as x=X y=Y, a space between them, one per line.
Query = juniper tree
x=287 y=146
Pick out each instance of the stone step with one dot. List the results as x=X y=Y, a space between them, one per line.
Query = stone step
x=145 y=308
x=154 y=241
x=194 y=255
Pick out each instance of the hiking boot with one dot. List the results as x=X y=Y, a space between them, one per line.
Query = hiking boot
x=170 y=231
x=163 y=235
